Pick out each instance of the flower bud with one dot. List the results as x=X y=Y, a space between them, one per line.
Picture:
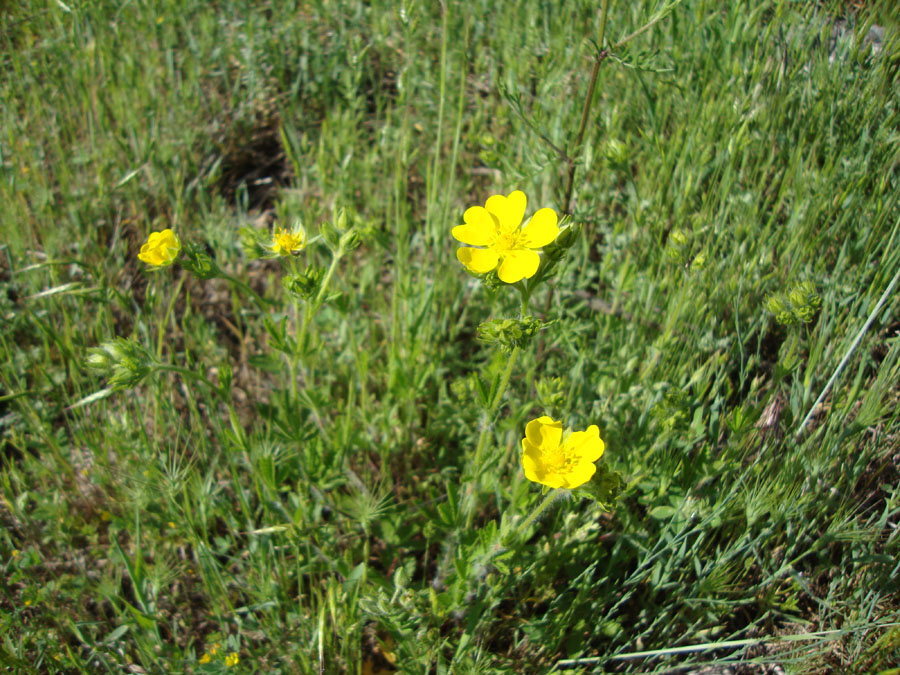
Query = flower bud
x=199 y=263
x=304 y=286
x=330 y=235
x=129 y=361
x=349 y=241
x=341 y=221
x=616 y=152
x=509 y=333
x=567 y=236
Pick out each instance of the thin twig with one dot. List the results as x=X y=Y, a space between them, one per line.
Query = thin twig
x=853 y=346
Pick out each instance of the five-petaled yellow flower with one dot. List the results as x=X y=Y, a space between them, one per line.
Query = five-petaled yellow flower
x=232 y=659
x=288 y=242
x=497 y=226
x=551 y=460
x=161 y=248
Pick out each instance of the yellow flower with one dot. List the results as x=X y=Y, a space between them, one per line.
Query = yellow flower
x=550 y=460
x=206 y=658
x=161 y=248
x=497 y=226
x=288 y=242
x=232 y=659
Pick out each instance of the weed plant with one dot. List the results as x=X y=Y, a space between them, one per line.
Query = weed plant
x=256 y=416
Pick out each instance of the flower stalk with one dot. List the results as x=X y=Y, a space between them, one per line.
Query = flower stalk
x=588 y=102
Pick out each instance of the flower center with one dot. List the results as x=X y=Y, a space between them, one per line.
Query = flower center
x=287 y=241
x=557 y=459
x=506 y=241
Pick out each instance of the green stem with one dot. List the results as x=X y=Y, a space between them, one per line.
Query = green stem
x=549 y=498
x=320 y=296
x=526 y=296
x=190 y=374
x=588 y=101
x=234 y=281
x=496 y=397
x=308 y=315
x=485 y=432
x=162 y=326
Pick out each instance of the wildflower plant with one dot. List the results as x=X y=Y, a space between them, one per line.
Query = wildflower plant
x=497 y=243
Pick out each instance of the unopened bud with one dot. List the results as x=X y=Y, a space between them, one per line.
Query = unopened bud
x=349 y=241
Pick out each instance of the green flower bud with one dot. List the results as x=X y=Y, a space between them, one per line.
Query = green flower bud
x=678 y=238
x=199 y=263
x=349 y=241
x=99 y=359
x=341 y=220
x=304 y=286
x=129 y=362
x=509 y=333
x=805 y=301
x=251 y=243
x=785 y=318
x=567 y=236
x=551 y=392
x=616 y=152
x=775 y=305
x=799 y=305
x=331 y=236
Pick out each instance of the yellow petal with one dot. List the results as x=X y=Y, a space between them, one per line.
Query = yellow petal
x=509 y=210
x=480 y=228
x=541 y=229
x=161 y=248
x=535 y=470
x=580 y=474
x=478 y=260
x=474 y=235
x=518 y=265
x=149 y=257
x=531 y=462
x=544 y=433
x=586 y=445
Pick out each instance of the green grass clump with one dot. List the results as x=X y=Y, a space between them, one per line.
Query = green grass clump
x=312 y=464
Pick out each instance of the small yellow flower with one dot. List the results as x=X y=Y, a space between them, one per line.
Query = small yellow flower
x=288 y=242
x=551 y=460
x=232 y=659
x=206 y=658
x=215 y=648
x=28 y=603
x=15 y=553
x=161 y=248
x=497 y=226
